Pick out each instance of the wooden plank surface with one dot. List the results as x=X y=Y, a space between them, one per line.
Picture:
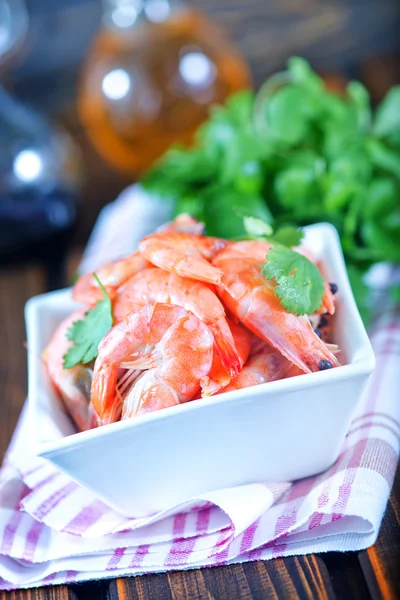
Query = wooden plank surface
x=50 y=593
x=17 y=285
x=293 y=577
x=381 y=563
x=333 y=34
x=373 y=573
x=346 y=575
x=330 y=34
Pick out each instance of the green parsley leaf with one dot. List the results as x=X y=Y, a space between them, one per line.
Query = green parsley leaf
x=287 y=115
x=256 y=227
x=287 y=235
x=88 y=332
x=387 y=118
x=361 y=293
x=230 y=203
x=383 y=157
x=190 y=203
x=302 y=73
x=359 y=97
x=300 y=285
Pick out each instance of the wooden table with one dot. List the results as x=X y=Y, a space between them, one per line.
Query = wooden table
x=374 y=573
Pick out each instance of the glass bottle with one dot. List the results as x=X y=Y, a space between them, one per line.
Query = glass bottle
x=151 y=74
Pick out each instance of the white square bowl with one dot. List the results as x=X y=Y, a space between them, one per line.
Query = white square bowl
x=277 y=431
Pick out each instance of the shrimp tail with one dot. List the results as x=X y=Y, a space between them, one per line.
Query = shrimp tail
x=226 y=351
x=104 y=385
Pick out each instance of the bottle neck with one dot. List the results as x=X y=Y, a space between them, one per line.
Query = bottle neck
x=123 y=14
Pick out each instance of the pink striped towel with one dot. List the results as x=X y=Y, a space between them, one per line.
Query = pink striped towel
x=52 y=531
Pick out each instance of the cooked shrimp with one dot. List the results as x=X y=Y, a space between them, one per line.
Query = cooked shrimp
x=267 y=365
x=247 y=293
x=73 y=385
x=185 y=223
x=185 y=254
x=86 y=289
x=156 y=285
x=256 y=344
x=257 y=250
x=171 y=342
x=219 y=376
x=242 y=337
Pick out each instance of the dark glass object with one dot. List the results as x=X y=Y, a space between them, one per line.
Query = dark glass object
x=38 y=177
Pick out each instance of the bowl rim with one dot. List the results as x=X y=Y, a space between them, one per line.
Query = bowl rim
x=362 y=366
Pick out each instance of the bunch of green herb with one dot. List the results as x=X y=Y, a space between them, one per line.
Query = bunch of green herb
x=302 y=155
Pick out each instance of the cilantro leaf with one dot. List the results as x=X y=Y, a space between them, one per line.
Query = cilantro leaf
x=300 y=285
x=256 y=227
x=359 y=97
x=232 y=205
x=361 y=293
x=87 y=333
x=287 y=115
x=302 y=73
x=286 y=235
x=387 y=118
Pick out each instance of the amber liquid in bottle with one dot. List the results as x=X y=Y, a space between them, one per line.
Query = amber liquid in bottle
x=147 y=86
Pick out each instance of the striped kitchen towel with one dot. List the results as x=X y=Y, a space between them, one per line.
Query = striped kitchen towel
x=53 y=531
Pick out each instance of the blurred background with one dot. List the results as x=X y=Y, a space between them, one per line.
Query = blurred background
x=73 y=130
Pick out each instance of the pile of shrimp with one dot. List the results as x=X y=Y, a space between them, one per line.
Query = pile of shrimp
x=193 y=317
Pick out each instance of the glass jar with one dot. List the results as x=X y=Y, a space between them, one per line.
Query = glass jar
x=149 y=79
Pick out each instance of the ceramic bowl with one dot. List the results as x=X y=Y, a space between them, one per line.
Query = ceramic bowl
x=277 y=431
